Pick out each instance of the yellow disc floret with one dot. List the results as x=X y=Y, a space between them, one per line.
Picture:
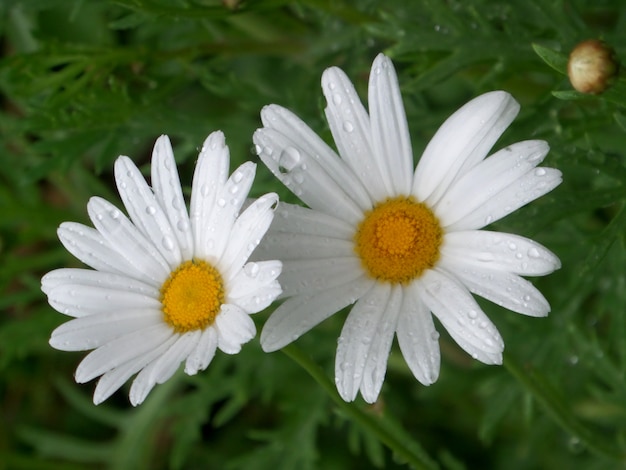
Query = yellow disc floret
x=192 y=296
x=398 y=239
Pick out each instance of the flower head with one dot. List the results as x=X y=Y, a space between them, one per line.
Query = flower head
x=400 y=244
x=167 y=286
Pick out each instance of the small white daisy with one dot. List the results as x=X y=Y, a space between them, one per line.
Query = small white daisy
x=402 y=244
x=167 y=287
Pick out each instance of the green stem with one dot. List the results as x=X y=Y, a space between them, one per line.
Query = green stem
x=556 y=407
x=388 y=432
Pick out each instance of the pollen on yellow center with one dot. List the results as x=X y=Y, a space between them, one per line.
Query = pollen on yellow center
x=192 y=296
x=398 y=239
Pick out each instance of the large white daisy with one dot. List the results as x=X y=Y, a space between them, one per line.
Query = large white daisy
x=166 y=287
x=402 y=244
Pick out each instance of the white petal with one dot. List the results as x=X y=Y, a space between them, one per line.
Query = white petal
x=296 y=246
x=88 y=277
x=209 y=178
x=261 y=299
x=461 y=316
x=79 y=300
x=215 y=232
x=163 y=367
x=95 y=330
x=291 y=126
x=417 y=338
x=202 y=355
x=362 y=327
x=462 y=141
x=299 y=314
x=246 y=234
x=378 y=353
x=297 y=219
x=489 y=178
x=316 y=275
x=529 y=187
x=168 y=191
x=350 y=126
x=145 y=211
x=253 y=277
x=115 y=378
x=121 y=350
x=89 y=246
x=503 y=288
x=127 y=240
x=310 y=180
x=234 y=328
x=255 y=286
x=390 y=132
x=499 y=251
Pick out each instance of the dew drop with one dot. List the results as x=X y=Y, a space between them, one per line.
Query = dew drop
x=99 y=216
x=167 y=243
x=204 y=190
x=288 y=160
x=512 y=246
x=182 y=225
x=337 y=98
x=257 y=149
x=488 y=220
x=115 y=214
x=434 y=336
x=519 y=255
x=298 y=177
x=221 y=202
x=123 y=185
x=540 y=172
x=483 y=324
x=150 y=210
x=234 y=189
x=251 y=269
x=348 y=126
x=175 y=203
x=533 y=253
x=472 y=314
x=237 y=176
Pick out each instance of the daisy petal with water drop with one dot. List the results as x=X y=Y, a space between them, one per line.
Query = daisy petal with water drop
x=401 y=244
x=168 y=285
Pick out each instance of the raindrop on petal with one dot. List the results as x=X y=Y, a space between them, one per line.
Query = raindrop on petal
x=150 y=210
x=288 y=160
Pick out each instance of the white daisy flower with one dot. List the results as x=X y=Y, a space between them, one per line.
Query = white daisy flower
x=166 y=287
x=400 y=244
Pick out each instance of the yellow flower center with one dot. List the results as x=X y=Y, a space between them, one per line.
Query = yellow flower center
x=398 y=239
x=192 y=296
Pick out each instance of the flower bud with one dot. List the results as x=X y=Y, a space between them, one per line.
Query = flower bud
x=592 y=66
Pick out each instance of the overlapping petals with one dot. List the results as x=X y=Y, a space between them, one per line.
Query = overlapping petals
x=117 y=306
x=464 y=188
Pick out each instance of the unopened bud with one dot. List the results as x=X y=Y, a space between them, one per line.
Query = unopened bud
x=592 y=66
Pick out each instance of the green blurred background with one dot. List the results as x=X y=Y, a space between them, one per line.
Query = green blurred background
x=82 y=82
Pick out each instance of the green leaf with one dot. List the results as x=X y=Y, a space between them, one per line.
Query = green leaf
x=555 y=59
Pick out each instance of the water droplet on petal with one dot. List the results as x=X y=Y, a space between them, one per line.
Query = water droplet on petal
x=237 y=176
x=288 y=160
x=533 y=253
x=182 y=225
x=168 y=243
x=251 y=269
x=123 y=185
x=298 y=177
x=114 y=214
x=434 y=336
x=337 y=98
x=540 y=172
x=204 y=190
x=472 y=314
x=348 y=126
x=150 y=210
x=488 y=220
x=221 y=202
x=512 y=246
x=257 y=149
